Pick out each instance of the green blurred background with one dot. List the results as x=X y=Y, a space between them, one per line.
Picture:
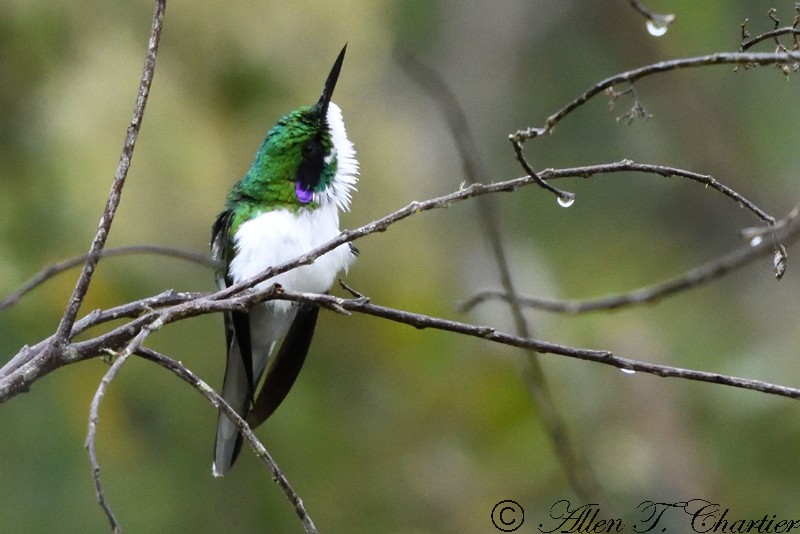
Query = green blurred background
x=392 y=429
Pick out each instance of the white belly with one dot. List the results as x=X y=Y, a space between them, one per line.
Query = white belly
x=276 y=237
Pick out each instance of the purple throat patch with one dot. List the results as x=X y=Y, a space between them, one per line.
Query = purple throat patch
x=303 y=195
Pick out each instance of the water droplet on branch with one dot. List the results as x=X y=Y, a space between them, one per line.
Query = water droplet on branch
x=628 y=371
x=566 y=200
x=779 y=262
x=657 y=25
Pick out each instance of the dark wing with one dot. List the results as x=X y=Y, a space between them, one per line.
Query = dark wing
x=286 y=365
x=237 y=324
x=237 y=388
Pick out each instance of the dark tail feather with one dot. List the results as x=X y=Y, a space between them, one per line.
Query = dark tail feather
x=236 y=392
x=286 y=366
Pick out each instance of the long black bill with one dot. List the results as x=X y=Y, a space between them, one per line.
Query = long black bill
x=330 y=84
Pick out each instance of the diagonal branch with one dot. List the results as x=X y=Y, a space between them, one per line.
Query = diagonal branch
x=575 y=466
x=57 y=268
x=721 y=58
x=787 y=230
x=82 y=286
x=218 y=402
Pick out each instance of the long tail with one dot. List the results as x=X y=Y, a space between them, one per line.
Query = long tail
x=251 y=338
x=236 y=392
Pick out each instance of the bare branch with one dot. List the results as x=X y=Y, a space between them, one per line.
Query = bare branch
x=54 y=269
x=627 y=165
x=33 y=362
x=575 y=466
x=94 y=418
x=218 y=402
x=772 y=34
x=721 y=58
x=488 y=333
x=789 y=232
x=82 y=286
x=206 y=305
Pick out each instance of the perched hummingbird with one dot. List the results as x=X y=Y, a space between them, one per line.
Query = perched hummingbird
x=287 y=204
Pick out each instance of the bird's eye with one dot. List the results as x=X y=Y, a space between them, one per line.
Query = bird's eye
x=310 y=169
x=311 y=148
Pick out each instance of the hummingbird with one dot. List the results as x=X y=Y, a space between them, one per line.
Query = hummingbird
x=287 y=204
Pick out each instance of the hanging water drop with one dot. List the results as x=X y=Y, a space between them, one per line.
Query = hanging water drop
x=656 y=30
x=756 y=240
x=779 y=262
x=566 y=200
x=657 y=25
x=628 y=371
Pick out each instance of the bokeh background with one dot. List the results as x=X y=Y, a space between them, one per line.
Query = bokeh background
x=392 y=429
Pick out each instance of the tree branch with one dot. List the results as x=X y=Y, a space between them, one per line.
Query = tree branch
x=57 y=268
x=793 y=30
x=721 y=58
x=695 y=277
x=34 y=362
x=579 y=474
x=420 y=321
x=218 y=402
x=82 y=286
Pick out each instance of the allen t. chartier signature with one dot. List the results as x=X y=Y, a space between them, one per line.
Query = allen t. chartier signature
x=704 y=516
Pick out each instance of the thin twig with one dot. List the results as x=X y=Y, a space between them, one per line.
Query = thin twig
x=627 y=165
x=218 y=402
x=772 y=34
x=99 y=241
x=789 y=230
x=94 y=418
x=573 y=463
x=721 y=58
x=565 y=197
x=57 y=268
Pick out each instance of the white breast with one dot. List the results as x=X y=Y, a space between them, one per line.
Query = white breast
x=279 y=236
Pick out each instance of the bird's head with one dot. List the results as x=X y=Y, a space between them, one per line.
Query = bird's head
x=306 y=159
